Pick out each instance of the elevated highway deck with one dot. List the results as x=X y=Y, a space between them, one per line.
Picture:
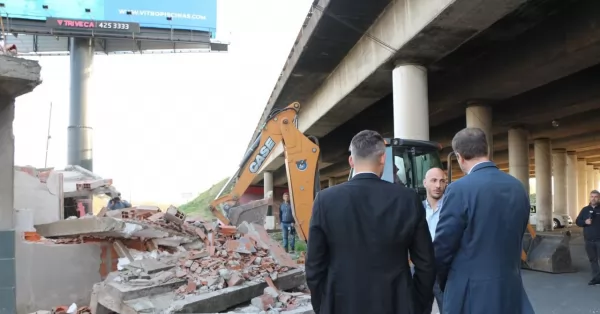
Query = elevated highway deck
x=526 y=72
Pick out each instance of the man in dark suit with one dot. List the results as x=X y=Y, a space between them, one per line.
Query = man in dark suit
x=478 y=239
x=360 y=235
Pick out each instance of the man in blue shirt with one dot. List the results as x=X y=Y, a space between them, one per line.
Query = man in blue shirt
x=435 y=184
x=286 y=219
x=118 y=203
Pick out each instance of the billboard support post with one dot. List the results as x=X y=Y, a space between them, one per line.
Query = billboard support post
x=80 y=133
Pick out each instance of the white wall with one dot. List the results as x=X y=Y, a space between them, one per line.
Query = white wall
x=44 y=199
x=49 y=275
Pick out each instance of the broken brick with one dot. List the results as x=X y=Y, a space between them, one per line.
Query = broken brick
x=198 y=255
x=194 y=266
x=156 y=217
x=263 y=302
x=191 y=287
x=174 y=215
x=242 y=245
x=270 y=283
x=200 y=233
x=235 y=279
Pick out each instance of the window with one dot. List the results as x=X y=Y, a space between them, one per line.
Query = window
x=410 y=166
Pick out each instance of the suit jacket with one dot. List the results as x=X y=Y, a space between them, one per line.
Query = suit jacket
x=361 y=233
x=478 y=243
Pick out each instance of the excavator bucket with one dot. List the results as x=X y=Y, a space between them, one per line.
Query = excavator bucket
x=547 y=252
x=251 y=212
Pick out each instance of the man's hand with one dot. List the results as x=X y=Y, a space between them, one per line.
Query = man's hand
x=588 y=221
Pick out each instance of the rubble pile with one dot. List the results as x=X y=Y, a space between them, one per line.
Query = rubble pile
x=180 y=264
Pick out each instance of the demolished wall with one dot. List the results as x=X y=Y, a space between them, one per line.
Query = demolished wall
x=52 y=274
x=43 y=198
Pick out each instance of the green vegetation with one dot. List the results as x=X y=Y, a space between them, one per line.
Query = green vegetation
x=199 y=206
x=300 y=245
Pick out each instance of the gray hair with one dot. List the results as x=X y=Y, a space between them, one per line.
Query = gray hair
x=470 y=143
x=367 y=145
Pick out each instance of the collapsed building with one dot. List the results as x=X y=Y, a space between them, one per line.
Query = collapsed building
x=163 y=262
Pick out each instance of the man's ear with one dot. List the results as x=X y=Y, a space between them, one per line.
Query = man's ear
x=382 y=159
x=351 y=162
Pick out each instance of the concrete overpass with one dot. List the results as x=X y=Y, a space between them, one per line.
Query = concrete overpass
x=526 y=72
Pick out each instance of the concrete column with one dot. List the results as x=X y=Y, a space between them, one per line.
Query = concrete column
x=543 y=183
x=268 y=183
x=411 y=104
x=480 y=116
x=331 y=182
x=7 y=218
x=559 y=172
x=590 y=178
x=582 y=192
x=518 y=155
x=572 y=208
x=80 y=132
x=17 y=77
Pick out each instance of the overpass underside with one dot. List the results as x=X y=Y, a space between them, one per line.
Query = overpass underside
x=526 y=72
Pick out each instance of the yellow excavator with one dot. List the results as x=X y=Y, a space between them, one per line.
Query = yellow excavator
x=301 y=162
x=407 y=162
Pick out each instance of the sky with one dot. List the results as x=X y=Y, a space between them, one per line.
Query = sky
x=167 y=126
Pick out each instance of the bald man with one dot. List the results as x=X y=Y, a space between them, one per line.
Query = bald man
x=435 y=184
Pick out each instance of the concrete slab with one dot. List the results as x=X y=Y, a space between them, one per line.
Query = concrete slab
x=149 y=266
x=18 y=76
x=120 y=292
x=210 y=302
x=106 y=227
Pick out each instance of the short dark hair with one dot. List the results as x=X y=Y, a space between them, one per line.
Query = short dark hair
x=470 y=143
x=367 y=145
x=595 y=192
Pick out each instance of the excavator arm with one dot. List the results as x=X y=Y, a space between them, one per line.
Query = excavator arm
x=301 y=158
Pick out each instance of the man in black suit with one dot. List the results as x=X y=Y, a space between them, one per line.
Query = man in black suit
x=360 y=235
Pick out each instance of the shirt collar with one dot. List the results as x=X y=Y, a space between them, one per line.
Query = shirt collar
x=475 y=165
x=439 y=204
x=363 y=172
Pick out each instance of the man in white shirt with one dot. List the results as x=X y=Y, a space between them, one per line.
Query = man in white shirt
x=435 y=184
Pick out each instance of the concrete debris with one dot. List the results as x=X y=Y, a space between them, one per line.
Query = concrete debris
x=168 y=263
x=174 y=215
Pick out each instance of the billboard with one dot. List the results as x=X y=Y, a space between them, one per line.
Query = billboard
x=179 y=14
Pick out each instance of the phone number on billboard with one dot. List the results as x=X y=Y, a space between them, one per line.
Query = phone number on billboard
x=119 y=26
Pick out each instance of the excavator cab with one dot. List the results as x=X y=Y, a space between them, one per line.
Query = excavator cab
x=407 y=162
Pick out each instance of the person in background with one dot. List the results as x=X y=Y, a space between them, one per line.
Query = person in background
x=589 y=220
x=117 y=203
x=286 y=219
x=435 y=185
x=361 y=232
x=478 y=254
